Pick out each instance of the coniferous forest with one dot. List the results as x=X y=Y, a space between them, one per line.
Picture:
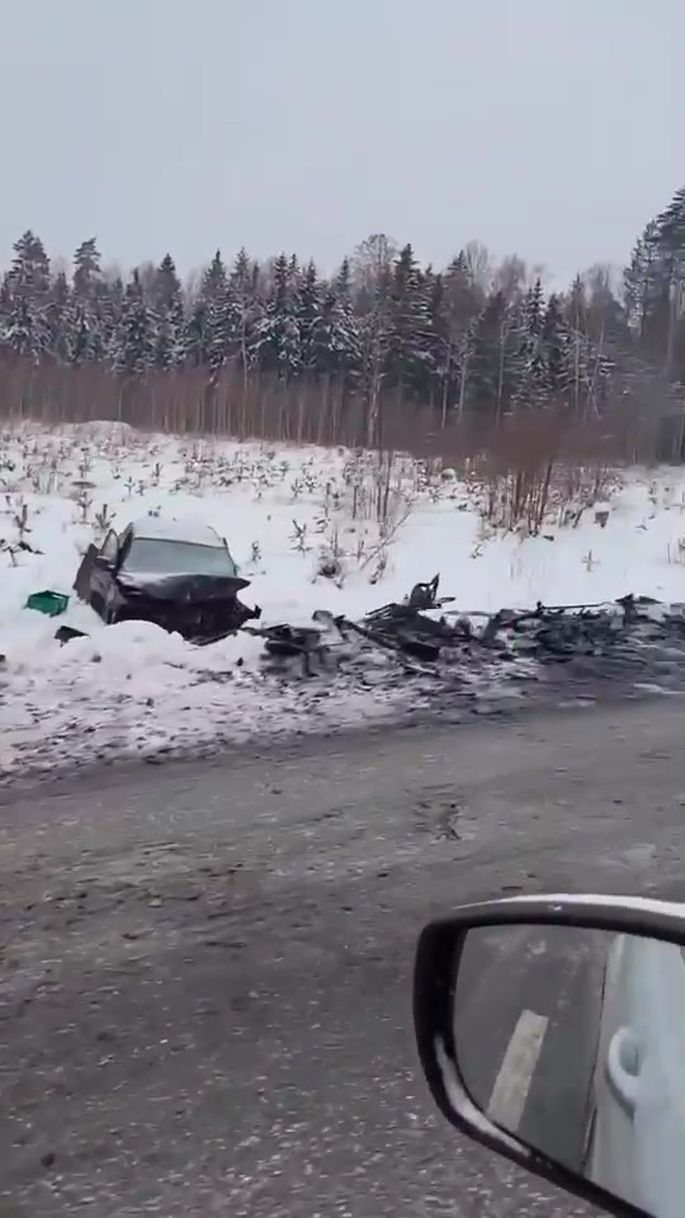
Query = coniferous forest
x=384 y=352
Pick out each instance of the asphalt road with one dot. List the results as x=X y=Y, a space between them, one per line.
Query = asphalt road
x=206 y=991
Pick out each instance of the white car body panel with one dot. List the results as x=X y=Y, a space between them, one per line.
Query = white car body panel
x=638 y=1146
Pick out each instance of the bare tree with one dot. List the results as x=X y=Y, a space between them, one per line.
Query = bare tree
x=510 y=278
x=371 y=266
x=112 y=272
x=191 y=285
x=375 y=345
x=463 y=301
x=147 y=276
x=601 y=306
x=371 y=269
x=479 y=265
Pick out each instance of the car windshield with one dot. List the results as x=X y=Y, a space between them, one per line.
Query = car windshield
x=157 y=557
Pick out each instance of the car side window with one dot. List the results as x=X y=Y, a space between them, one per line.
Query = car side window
x=110 y=547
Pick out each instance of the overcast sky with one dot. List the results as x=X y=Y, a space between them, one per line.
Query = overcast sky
x=550 y=128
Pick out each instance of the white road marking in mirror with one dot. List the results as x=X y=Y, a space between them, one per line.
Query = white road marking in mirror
x=512 y=1084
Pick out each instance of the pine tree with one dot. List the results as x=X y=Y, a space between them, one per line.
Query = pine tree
x=80 y=345
x=109 y=307
x=555 y=343
x=534 y=309
x=342 y=284
x=671 y=224
x=496 y=362
x=291 y=341
x=532 y=388
x=214 y=280
x=217 y=316
x=277 y=340
x=167 y=305
x=671 y=227
x=242 y=274
x=335 y=335
x=82 y=323
x=243 y=310
x=87 y=275
x=344 y=340
x=20 y=329
x=437 y=359
x=409 y=339
x=196 y=334
x=308 y=316
x=58 y=318
x=637 y=282
x=648 y=284
x=29 y=276
x=27 y=328
x=134 y=345
x=203 y=340
x=5 y=305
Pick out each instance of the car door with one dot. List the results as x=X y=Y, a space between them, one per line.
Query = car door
x=102 y=577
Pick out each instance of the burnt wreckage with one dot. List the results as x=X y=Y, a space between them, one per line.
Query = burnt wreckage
x=632 y=635
x=180 y=577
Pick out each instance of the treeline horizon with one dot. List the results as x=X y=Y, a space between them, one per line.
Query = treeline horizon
x=385 y=352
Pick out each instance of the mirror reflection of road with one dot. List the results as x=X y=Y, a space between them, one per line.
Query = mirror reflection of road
x=529 y=1003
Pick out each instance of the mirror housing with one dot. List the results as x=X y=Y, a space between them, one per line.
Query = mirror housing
x=438 y=962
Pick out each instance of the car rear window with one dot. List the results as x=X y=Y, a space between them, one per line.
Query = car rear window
x=152 y=557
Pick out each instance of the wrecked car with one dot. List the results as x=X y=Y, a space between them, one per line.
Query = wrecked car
x=179 y=576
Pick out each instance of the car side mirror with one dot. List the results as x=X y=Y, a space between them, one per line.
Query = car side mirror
x=552 y=1029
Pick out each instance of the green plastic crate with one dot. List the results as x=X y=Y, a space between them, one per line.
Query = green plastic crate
x=50 y=603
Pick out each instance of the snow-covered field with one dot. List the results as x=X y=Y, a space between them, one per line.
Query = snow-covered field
x=132 y=689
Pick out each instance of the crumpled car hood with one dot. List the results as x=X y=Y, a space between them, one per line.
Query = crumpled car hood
x=181 y=589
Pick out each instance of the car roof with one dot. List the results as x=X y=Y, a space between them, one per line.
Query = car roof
x=154 y=528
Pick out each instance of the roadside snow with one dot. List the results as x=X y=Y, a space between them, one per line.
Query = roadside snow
x=134 y=689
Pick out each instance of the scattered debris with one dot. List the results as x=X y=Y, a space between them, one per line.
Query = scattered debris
x=52 y=604
x=65 y=634
x=630 y=605
x=329 y=567
x=423 y=596
x=287 y=641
